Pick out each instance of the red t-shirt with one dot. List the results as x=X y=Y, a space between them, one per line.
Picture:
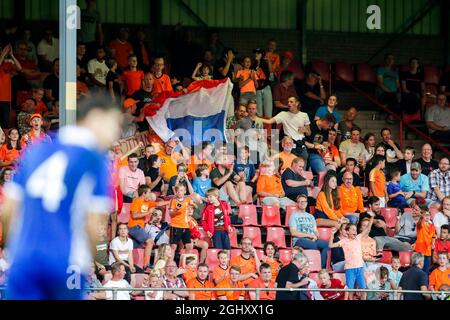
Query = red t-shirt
x=439 y=246
x=41 y=108
x=123 y=50
x=5 y=81
x=133 y=80
x=333 y=295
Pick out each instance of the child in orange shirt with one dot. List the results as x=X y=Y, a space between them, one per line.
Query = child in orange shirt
x=222 y=271
x=426 y=236
x=248 y=81
x=378 y=180
x=190 y=268
x=441 y=275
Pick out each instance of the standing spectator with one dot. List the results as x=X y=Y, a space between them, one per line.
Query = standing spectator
x=122 y=48
x=438 y=119
x=292 y=276
x=331 y=107
x=328 y=283
x=426 y=236
x=293 y=181
x=377 y=180
x=82 y=59
x=48 y=50
x=196 y=236
x=224 y=67
x=440 y=182
x=201 y=281
x=272 y=56
x=312 y=94
x=412 y=87
x=30 y=69
x=404 y=165
x=351 y=197
x=215 y=46
x=337 y=254
x=101 y=259
x=345 y=126
x=353 y=148
x=8 y=65
x=129 y=126
x=283 y=91
x=264 y=281
x=179 y=223
x=10 y=152
x=394 y=274
x=161 y=81
x=31 y=48
x=132 y=77
x=36 y=134
x=264 y=99
x=141 y=49
x=393 y=152
x=247 y=261
x=440 y=275
x=170 y=280
x=232 y=282
x=247 y=80
x=303 y=228
x=144 y=96
x=51 y=83
x=443 y=216
x=121 y=251
x=118 y=281
x=426 y=161
x=415 y=182
x=91 y=26
x=269 y=187
x=415 y=279
x=388 y=84
x=113 y=82
x=202 y=157
x=98 y=71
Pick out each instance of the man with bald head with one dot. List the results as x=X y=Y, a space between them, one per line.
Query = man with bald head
x=351 y=198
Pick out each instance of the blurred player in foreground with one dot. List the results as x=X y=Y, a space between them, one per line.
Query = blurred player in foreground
x=54 y=204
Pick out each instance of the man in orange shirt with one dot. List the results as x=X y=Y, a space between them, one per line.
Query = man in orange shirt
x=351 y=198
x=248 y=262
x=286 y=155
x=203 y=157
x=269 y=187
x=440 y=275
x=171 y=159
x=7 y=67
x=378 y=180
x=201 y=281
x=264 y=281
x=162 y=81
x=231 y=282
x=122 y=48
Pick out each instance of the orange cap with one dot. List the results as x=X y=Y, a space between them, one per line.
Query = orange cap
x=35 y=115
x=129 y=102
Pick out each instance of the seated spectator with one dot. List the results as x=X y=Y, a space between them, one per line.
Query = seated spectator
x=269 y=187
x=129 y=127
x=202 y=72
x=23 y=118
x=188 y=263
x=93 y=282
x=416 y=183
x=98 y=71
x=426 y=161
x=41 y=107
x=442 y=244
x=270 y=252
x=245 y=168
x=331 y=157
x=82 y=59
x=121 y=251
x=393 y=152
x=201 y=281
x=331 y=108
x=170 y=158
x=345 y=126
x=264 y=97
x=36 y=134
x=388 y=84
x=378 y=230
x=312 y=94
x=404 y=165
x=31 y=48
x=350 y=197
x=303 y=228
x=414 y=279
x=154 y=282
x=157 y=229
x=247 y=80
x=293 y=181
x=113 y=82
x=196 y=236
x=183 y=179
x=51 y=83
x=350 y=166
x=122 y=48
x=441 y=275
x=380 y=282
x=153 y=175
x=286 y=155
x=165 y=254
x=172 y=281
x=248 y=262
x=369 y=142
x=232 y=282
x=144 y=162
x=132 y=77
x=396 y=195
x=118 y=281
x=292 y=276
x=101 y=260
x=287 y=60
x=329 y=283
x=161 y=81
x=48 y=50
x=264 y=281
x=377 y=180
x=314 y=143
x=130 y=178
x=440 y=182
x=443 y=216
x=283 y=91
x=412 y=87
x=202 y=183
x=353 y=148
x=337 y=254
x=222 y=270
x=438 y=119
x=240 y=113
x=405 y=228
x=10 y=152
x=328 y=207
x=426 y=235
x=82 y=87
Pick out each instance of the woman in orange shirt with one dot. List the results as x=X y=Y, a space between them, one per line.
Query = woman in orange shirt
x=270 y=249
x=426 y=235
x=10 y=152
x=328 y=207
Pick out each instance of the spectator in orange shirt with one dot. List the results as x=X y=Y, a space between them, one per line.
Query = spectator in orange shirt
x=170 y=159
x=202 y=157
x=36 y=134
x=179 y=224
x=132 y=76
x=162 y=81
x=441 y=275
x=122 y=48
x=222 y=271
x=7 y=67
x=378 y=180
x=201 y=281
x=273 y=57
x=247 y=261
x=232 y=282
x=190 y=267
x=270 y=250
x=426 y=236
x=351 y=198
x=269 y=187
x=286 y=155
x=38 y=94
x=248 y=81
x=264 y=281
x=10 y=152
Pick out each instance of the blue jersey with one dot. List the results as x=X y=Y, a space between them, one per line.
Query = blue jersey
x=57 y=185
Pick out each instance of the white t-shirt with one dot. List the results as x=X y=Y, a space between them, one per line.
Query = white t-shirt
x=98 y=69
x=123 y=248
x=439 y=220
x=121 y=295
x=51 y=52
x=353 y=150
x=153 y=231
x=159 y=295
x=291 y=122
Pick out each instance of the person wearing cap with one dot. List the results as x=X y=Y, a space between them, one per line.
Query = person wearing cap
x=129 y=126
x=36 y=133
x=264 y=98
x=122 y=48
x=415 y=182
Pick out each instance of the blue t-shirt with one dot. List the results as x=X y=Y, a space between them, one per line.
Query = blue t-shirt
x=302 y=222
x=323 y=110
x=390 y=78
x=200 y=187
x=248 y=168
x=398 y=200
x=408 y=184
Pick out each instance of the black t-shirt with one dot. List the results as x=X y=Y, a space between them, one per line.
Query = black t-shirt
x=308 y=104
x=427 y=167
x=292 y=192
x=287 y=273
x=172 y=184
x=388 y=147
x=317 y=135
x=221 y=64
x=153 y=173
x=337 y=254
x=114 y=78
x=215 y=173
x=375 y=231
x=413 y=81
x=52 y=83
x=413 y=279
x=144 y=98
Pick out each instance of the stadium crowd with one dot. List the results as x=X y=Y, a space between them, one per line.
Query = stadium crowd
x=357 y=211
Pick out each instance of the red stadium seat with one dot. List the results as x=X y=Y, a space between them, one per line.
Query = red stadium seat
x=276 y=235
x=260 y=253
x=432 y=74
x=233 y=238
x=344 y=71
x=212 y=260
x=193 y=251
x=247 y=212
x=365 y=73
x=340 y=276
x=284 y=255
x=297 y=68
x=313 y=192
x=271 y=216
x=289 y=211
x=409 y=118
x=322 y=68
x=124 y=215
x=234 y=253
x=390 y=215
x=315 y=277
x=204 y=237
x=324 y=233
x=138 y=257
x=312 y=209
x=254 y=233
x=405 y=258
x=315 y=262
x=386 y=258
x=21 y=97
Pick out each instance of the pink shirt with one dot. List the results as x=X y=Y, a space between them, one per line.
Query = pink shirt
x=352 y=252
x=132 y=180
